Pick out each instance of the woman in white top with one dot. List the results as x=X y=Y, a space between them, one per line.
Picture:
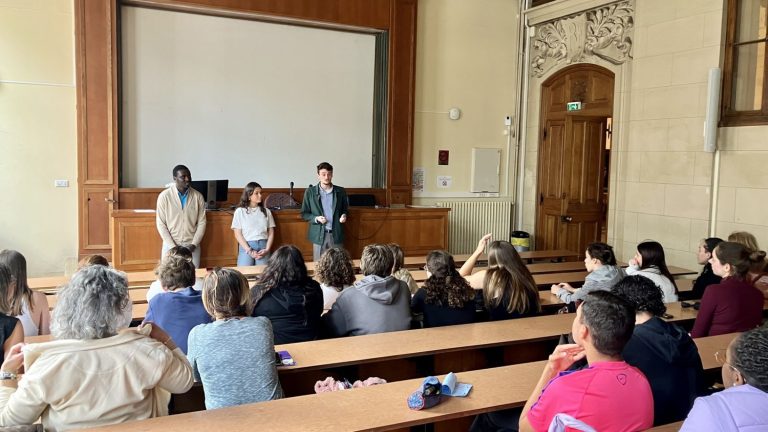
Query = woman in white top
x=334 y=272
x=30 y=307
x=649 y=262
x=254 y=227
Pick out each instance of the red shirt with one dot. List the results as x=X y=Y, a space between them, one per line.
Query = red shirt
x=609 y=396
x=733 y=305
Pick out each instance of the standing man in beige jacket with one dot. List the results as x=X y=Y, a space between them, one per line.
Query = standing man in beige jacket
x=180 y=215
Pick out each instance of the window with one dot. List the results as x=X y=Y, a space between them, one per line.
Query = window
x=745 y=74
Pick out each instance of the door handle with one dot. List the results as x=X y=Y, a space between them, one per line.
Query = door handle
x=566 y=219
x=110 y=200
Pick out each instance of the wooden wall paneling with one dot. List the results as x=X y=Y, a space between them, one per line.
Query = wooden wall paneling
x=402 y=73
x=359 y=13
x=98 y=84
x=96 y=69
x=146 y=198
x=96 y=201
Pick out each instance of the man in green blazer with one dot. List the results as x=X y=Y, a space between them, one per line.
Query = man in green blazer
x=325 y=207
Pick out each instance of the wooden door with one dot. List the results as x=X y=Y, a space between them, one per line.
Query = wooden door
x=572 y=171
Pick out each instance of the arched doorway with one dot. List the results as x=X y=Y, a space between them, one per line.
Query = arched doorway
x=574 y=154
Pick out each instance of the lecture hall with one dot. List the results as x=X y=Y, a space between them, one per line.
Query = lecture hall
x=310 y=215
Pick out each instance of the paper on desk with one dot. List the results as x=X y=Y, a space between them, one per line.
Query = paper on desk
x=452 y=387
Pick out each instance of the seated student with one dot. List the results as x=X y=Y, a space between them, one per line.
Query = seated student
x=609 y=395
x=30 y=307
x=334 y=271
x=156 y=287
x=662 y=351
x=707 y=276
x=446 y=298
x=376 y=304
x=743 y=405
x=180 y=308
x=92 y=375
x=600 y=262
x=508 y=288
x=11 y=330
x=733 y=305
x=234 y=356
x=286 y=295
x=758 y=273
x=649 y=262
x=90 y=260
x=398 y=271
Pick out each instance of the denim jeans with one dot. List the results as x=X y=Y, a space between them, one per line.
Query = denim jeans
x=243 y=259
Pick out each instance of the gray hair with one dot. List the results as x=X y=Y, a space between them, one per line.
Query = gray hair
x=377 y=259
x=90 y=305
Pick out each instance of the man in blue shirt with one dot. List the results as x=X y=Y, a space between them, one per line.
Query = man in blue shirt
x=325 y=207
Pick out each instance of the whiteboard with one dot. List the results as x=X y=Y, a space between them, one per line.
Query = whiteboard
x=243 y=100
x=486 y=166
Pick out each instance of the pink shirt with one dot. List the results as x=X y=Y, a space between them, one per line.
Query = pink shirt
x=609 y=396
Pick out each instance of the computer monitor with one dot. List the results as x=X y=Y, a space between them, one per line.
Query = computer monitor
x=213 y=191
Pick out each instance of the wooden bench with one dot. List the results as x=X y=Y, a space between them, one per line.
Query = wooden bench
x=380 y=407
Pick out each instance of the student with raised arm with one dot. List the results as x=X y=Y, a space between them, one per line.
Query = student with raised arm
x=600 y=262
x=609 y=395
x=254 y=227
x=180 y=215
x=508 y=288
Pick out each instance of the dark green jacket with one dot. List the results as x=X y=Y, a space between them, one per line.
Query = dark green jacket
x=311 y=208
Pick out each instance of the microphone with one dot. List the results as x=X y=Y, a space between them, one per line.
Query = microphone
x=290 y=191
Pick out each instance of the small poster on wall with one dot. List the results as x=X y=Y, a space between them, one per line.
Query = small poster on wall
x=444 y=182
x=418 y=179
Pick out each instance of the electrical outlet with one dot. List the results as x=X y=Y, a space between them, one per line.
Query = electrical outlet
x=61 y=183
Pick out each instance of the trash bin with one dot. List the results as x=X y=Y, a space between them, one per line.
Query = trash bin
x=521 y=240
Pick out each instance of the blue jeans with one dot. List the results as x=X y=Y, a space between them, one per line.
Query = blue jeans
x=243 y=259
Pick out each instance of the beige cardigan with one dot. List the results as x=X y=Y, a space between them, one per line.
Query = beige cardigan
x=76 y=384
x=177 y=226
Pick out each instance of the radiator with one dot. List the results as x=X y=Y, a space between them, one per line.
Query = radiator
x=468 y=221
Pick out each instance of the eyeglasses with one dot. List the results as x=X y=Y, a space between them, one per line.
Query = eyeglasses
x=720 y=359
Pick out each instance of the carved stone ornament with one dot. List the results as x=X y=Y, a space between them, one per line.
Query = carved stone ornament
x=604 y=32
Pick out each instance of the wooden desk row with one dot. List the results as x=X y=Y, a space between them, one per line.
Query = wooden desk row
x=380 y=407
x=144 y=278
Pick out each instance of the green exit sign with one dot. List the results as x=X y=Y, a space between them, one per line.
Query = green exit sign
x=573 y=106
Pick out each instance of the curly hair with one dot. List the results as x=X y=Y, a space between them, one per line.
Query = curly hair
x=334 y=268
x=90 y=305
x=445 y=286
x=750 y=357
x=175 y=272
x=642 y=294
x=285 y=266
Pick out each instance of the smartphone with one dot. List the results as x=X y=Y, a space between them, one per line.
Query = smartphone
x=283 y=358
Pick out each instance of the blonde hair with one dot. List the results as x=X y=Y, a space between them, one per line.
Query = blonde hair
x=745 y=238
x=226 y=294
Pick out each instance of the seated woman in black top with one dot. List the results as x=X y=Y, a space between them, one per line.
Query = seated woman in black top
x=664 y=352
x=11 y=331
x=707 y=276
x=286 y=295
x=508 y=288
x=446 y=297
